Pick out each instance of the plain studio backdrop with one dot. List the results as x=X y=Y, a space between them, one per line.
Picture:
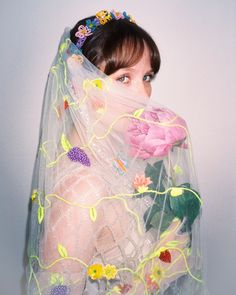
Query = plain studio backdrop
x=197 y=41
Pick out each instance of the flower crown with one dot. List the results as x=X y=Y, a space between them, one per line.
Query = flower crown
x=101 y=18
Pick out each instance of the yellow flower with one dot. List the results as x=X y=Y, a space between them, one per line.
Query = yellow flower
x=157 y=274
x=95 y=271
x=110 y=272
x=142 y=189
x=103 y=16
x=176 y=192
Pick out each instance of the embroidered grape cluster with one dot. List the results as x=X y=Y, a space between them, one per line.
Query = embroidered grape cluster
x=75 y=154
x=78 y=155
x=60 y=290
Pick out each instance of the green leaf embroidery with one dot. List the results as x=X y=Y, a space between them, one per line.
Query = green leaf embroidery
x=185 y=206
x=138 y=113
x=157 y=174
x=93 y=214
x=62 y=250
x=56 y=279
x=157 y=218
x=40 y=214
x=65 y=143
x=172 y=243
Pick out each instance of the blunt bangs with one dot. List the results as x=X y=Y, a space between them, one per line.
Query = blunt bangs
x=119 y=44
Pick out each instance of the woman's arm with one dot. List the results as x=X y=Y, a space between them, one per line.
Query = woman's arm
x=68 y=243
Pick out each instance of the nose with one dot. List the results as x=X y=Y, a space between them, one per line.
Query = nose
x=143 y=88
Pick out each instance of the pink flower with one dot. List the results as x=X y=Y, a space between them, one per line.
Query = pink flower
x=147 y=139
x=83 y=31
x=153 y=286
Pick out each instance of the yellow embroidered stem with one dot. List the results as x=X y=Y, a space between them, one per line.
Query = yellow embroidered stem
x=54 y=71
x=92 y=207
x=36 y=280
x=51 y=164
x=186 y=264
x=58 y=260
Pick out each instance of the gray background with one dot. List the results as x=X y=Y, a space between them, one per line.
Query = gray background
x=197 y=40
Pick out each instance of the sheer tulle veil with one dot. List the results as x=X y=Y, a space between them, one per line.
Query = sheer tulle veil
x=115 y=207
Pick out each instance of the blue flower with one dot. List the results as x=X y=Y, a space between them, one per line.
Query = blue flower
x=92 y=24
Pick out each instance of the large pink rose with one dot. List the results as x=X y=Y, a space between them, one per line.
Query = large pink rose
x=148 y=139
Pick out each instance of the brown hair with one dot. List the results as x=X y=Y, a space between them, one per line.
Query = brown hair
x=119 y=43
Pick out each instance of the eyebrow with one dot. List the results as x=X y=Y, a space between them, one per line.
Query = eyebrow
x=132 y=69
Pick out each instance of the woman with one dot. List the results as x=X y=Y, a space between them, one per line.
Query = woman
x=114 y=206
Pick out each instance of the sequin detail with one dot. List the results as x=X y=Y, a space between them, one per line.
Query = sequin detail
x=78 y=155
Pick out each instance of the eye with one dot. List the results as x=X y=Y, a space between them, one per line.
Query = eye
x=123 y=79
x=148 y=77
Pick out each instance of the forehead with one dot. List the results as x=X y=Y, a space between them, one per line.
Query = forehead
x=145 y=59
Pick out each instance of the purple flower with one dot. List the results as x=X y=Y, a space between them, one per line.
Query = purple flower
x=78 y=155
x=60 y=290
x=80 y=42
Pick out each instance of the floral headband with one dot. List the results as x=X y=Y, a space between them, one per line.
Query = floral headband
x=101 y=18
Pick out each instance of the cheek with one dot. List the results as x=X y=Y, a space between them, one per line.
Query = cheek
x=149 y=89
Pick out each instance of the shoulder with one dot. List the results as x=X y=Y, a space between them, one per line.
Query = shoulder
x=81 y=185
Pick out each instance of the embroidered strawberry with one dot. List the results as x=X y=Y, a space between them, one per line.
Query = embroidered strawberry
x=165 y=256
x=66 y=104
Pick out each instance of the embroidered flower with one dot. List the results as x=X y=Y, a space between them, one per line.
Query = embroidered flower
x=92 y=24
x=124 y=288
x=141 y=183
x=95 y=271
x=60 y=290
x=110 y=271
x=104 y=17
x=148 y=140
x=80 y=42
x=153 y=286
x=77 y=58
x=83 y=31
x=156 y=274
x=117 y=15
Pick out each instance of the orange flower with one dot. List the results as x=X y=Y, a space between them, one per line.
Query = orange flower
x=141 y=183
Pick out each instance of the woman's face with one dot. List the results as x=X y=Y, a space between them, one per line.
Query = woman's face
x=137 y=77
